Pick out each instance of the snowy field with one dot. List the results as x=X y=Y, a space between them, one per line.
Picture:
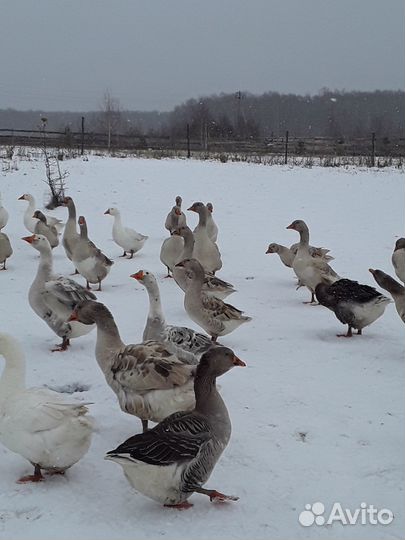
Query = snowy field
x=315 y=418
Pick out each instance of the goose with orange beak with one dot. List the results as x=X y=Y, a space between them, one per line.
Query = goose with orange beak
x=52 y=297
x=176 y=458
x=125 y=237
x=183 y=341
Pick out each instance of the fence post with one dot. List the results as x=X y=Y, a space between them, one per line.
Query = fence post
x=188 y=141
x=373 y=149
x=286 y=148
x=82 y=140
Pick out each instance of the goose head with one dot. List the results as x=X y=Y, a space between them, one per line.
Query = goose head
x=273 y=248
x=89 y=312
x=210 y=207
x=298 y=225
x=112 y=211
x=26 y=197
x=39 y=215
x=179 y=200
x=144 y=277
x=217 y=361
x=192 y=269
x=399 y=244
x=38 y=242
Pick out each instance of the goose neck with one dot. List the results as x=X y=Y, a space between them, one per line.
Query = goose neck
x=13 y=377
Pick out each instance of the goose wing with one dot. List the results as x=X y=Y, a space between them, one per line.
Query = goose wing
x=178 y=438
x=67 y=291
x=150 y=366
x=220 y=310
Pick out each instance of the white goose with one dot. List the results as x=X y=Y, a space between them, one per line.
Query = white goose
x=149 y=380
x=70 y=234
x=3 y=215
x=30 y=221
x=50 y=431
x=53 y=297
x=309 y=270
x=185 y=342
x=205 y=250
x=130 y=240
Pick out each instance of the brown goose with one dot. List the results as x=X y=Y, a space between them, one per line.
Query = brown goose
x=309 y=270
x=213 y=315
x=149 y=380
x=90 y=262
x=213 y=286
x=176 y=458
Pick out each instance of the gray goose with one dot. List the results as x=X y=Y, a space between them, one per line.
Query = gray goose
x=149 y=380
x=70 y=234
x=90 y=262
x=49 y=231
x=396 y=290
x=171 y=223
x=354 y=304
x=5 y=249
x=398 y=259
x=309 y=270
x=213 y=315
x=205 y=250
x=185 y=342
x=176 y=458
x=213 y=285
x=53 y=297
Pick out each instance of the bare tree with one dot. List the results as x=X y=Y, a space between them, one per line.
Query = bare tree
x=110 y=116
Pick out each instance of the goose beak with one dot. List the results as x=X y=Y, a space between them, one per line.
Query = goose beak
x=291 y=226
x=192 y=209
x=29 y=239
x=181 y=264
x=107 y=211
x=371 y=271
x=238 y=362
x=139 y=275
x=21 y=198
x=177 y=212
x=73 y=316
x=268 y=251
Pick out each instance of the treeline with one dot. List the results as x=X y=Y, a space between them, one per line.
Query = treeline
x=244 y=116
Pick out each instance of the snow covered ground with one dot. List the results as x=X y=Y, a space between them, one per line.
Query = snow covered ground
x=315 y=418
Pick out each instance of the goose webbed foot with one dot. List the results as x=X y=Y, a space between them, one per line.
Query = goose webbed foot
x=62 y=346
x=349 y=333
x=216 y=496
x=36 y=477
x=124 y=254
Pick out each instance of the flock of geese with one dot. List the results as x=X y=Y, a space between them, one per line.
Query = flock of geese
x=170 y=377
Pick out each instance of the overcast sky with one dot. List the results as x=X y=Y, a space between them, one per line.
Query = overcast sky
x=155 y=54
